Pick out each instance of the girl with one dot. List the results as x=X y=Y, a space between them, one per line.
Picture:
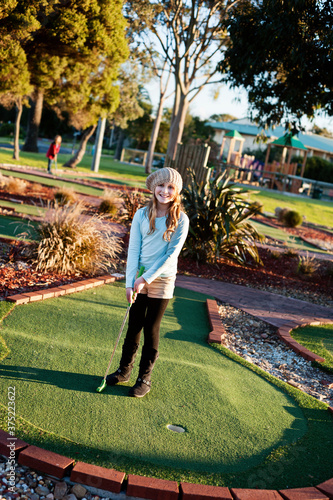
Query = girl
x=157 y=236
x=53 y=151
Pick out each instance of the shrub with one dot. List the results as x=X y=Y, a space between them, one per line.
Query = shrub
x=67 y=242
x=291 y=218
x=219 y=221
x=280 y=213
x=108 y=204
x=15 y=185
x=306 y=265
x=133 y=200
x=318 y=169
x=65 y=195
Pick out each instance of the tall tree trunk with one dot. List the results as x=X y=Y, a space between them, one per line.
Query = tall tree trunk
x=154 y=135
x=120 y=142
x=34 y=119
x=177 y=127
x=75 y=160
x=19 y=109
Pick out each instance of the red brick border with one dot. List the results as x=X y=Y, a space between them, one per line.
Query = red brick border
x=144 y=487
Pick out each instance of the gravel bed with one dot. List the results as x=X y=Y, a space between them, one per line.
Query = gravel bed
x=30 y=485
x=257 y=342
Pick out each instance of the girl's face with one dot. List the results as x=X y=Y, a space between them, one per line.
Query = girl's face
x=165 y=192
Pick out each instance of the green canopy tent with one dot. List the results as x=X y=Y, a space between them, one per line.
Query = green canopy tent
x=233 y=136
x=289 y=143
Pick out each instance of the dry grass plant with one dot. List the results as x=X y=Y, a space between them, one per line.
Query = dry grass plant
x=109 y=203
x=15 y=185
x=68 y=242
x=65 y=195
x=133 y=200
x=306 y=265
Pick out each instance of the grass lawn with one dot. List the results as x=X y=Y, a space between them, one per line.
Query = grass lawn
x=315 y=211
x=22 y=208
x=109 y=171
x=318 y=339
x=239 y=423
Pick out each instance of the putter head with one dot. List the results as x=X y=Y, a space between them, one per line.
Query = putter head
x=101 y=387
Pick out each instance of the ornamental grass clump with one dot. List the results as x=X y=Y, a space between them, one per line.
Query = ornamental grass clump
x=306 y=265
x=15 y=185
x=65 y=195
x=133 y=200
x=219 y=225
x=108 y=204
x=68 y=242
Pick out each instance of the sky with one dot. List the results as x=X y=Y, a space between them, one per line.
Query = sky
x=233 y=102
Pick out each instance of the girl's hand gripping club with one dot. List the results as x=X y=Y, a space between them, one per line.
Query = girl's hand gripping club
x=102 y=386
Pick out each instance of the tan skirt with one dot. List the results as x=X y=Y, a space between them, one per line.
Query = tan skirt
x=160 y=288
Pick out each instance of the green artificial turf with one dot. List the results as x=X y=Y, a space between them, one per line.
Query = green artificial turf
x=288 y=239
x=318 y=339
x=235 y=420
x=14 y=227
x=22 y=208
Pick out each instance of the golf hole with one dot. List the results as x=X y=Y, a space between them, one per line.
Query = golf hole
x=175 y=428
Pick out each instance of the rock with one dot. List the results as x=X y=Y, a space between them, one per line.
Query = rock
x=60 y=490
x=42 y=490
x=33 y=496
x=50 y=496
x=78 y=490
x=71 y=496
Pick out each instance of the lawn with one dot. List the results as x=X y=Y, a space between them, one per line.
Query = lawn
x=237 y=422
x=315 y=211
x=318 y=339
x=14 y=227
x=109 y=171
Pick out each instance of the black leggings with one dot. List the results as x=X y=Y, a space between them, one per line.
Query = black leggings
x=146 y=313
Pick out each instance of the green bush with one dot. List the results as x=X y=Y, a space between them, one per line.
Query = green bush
x=318 y=169
x=291 y=218
x=219 y=224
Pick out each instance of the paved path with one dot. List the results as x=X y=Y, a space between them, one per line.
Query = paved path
x=276 y=310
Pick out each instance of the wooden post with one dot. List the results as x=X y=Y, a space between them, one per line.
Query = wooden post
x=267 y=155
x=304 y=162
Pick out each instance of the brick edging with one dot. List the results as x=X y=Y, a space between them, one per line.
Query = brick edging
x=139 y=486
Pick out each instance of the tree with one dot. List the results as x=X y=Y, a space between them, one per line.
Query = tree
x=280 y=51
x=73 y=50
x=14 y=81
x=188 y=34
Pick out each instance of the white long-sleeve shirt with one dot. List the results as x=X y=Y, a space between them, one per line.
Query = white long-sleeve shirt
x=159 y=257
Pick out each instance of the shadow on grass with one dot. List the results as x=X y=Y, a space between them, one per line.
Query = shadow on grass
x=65 y=380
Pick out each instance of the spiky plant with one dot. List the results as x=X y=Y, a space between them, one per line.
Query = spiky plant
x=133 y=200
x=69 y=242
x=219 y=225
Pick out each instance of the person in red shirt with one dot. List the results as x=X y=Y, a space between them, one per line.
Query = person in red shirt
x=53 y=151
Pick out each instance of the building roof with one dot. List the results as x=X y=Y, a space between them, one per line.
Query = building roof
x=289 y=141
x=245 y=127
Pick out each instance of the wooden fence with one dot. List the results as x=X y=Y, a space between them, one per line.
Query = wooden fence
x=189 y=156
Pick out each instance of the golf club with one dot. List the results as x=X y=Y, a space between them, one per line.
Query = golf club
x=102 y=386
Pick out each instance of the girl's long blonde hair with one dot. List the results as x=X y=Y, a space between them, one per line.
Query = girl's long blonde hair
x=173 y=215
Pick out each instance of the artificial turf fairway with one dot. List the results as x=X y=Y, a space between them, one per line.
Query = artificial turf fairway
x=60 y=349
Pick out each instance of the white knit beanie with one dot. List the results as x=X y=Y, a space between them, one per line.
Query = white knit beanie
x=162 y=175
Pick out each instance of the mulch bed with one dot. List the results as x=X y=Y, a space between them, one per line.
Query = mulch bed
x=279 y=270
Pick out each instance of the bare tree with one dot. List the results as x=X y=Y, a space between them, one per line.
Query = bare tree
x=189 y=35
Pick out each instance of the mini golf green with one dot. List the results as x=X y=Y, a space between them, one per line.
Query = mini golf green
x=318 y=339
x=17 y=228
x=234 y=419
